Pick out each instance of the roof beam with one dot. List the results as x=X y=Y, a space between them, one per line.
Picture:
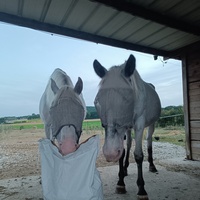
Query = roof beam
x=148 y=14
x=20 y=21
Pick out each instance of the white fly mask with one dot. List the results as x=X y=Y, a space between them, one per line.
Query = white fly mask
x=115 y=106
x=67 y=109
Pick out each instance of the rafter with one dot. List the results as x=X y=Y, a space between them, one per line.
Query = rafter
x=20 y=21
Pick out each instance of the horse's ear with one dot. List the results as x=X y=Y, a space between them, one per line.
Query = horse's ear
x=79 y=86
x=54 y=87
x=99 y=69
x=130 y=66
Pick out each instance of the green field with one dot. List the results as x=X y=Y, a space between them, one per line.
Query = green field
x=175 y=135
x=38 y=124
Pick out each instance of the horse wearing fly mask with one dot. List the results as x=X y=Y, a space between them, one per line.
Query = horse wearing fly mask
x=62 y=109
x=124 y=101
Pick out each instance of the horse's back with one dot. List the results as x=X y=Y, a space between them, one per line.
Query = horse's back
x=153 y=105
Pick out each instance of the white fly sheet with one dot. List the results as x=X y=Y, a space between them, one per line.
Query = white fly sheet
x=70 y=177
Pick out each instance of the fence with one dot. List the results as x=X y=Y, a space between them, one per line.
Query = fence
x=171 y=120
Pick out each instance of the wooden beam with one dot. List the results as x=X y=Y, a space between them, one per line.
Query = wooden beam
x=148 y=14
x=25 y=22
x=186 y=107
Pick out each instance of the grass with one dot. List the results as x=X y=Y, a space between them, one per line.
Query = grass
x=21 y=126
x=38 y=124
x=92 y=125
x=175 y=135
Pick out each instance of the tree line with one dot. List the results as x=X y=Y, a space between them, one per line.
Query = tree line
x=170 y=116
x=5 y=120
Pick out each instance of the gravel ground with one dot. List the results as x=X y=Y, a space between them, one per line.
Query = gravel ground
x=178 y=179
x=19 y=156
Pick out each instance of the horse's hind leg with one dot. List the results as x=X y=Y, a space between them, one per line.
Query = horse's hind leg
x=150 y=131
x=120 y=188
x=129 y=143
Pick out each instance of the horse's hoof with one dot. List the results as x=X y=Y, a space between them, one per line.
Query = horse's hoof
x=120 y=189
x=143 y=197
x=153 y=169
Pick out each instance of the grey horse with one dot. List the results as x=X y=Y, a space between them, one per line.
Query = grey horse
x=124 y=102
x=62 y=109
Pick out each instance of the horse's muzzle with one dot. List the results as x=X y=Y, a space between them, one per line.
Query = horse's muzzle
x=112 y=155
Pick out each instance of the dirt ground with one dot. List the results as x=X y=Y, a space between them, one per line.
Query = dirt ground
x=19 y=154
x=20 y=170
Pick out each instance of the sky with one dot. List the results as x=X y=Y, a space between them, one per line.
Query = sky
x=28 y=58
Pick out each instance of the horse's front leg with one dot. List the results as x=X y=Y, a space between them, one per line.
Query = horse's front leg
x=138 y=153
x=121 y=188
x=129 y=143
x=150 y=131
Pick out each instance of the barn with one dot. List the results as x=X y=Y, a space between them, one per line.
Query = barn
x=170 y=29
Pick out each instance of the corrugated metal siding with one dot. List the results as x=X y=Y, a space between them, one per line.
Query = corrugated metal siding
x=73 y=19
x=117 y=23
x=179 y=9
x=58 y=11
x=130 y=27
x=9 y=6
x=102 y=13
x=33 y=9
x=142 y=33
x=97 y=19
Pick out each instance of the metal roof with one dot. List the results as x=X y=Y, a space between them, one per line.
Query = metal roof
x=158 y=27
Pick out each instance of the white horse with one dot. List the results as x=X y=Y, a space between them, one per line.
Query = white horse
x=124 y=101
x=62 y=109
